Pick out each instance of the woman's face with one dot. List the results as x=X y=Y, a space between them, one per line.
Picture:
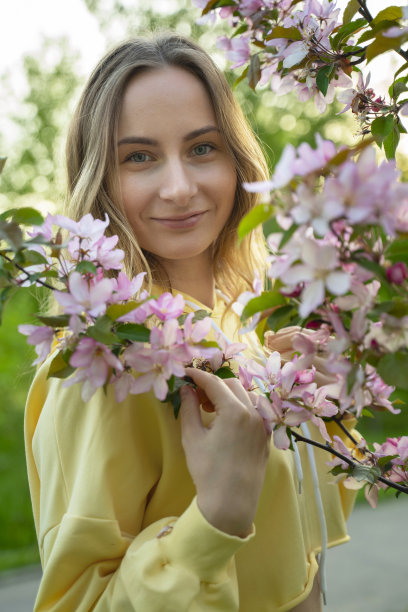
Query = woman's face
x=177 y=179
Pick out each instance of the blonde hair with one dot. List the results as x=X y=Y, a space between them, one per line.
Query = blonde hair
x=92 y=167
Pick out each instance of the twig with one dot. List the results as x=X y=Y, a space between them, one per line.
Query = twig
x=345 y=430
x=326 y=447
x=28 y=275
x=363 y=10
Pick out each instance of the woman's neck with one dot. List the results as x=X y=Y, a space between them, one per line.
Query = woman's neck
x=194 y=277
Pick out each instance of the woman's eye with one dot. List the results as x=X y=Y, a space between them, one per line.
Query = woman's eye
x=203 y=149
x=138 y=157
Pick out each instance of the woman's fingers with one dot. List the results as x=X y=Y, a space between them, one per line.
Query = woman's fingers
x=191 y=424
x=220 y=393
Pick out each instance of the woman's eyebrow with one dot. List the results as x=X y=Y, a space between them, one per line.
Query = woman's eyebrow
x=204 y=130
x=153 y=142
x=138 y=140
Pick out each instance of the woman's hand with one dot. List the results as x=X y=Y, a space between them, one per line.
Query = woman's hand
x=227 y=460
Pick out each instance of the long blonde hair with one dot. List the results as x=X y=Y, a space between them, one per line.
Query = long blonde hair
x=93 y=168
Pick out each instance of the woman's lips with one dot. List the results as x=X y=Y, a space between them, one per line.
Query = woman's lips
x=181 y=222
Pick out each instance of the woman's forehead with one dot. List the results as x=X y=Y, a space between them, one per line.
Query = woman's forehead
x=165 y=97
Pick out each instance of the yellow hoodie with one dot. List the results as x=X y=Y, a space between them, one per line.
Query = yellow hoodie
x=118 y=526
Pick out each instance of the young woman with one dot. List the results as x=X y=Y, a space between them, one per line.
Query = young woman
x=135 y=510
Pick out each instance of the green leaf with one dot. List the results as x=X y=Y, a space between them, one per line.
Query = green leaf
x=12 y=233
x=401 y=69
x=201 y=314
x=257 y=215
x=102 y=331
x=59 y=367
x=375 y=268
x=268 y=299
x=374 y=30
x=352 y=377
x=398 y=87
x=133 y=331
x=323 y=78
x=114 y=311
x=32 y=258
x=61 y=320
x=213 y=4
x=209 y=344
x=254 y=71
x=350 y=10
x=2 y=162
x=85 y=267
x=397 y=249
x=385 y=462
x=391 y=142
x=381 y=128
x=280 y=32
x=381 y=44
x=347 y=30
x=25 y=215
x=393 y=369
x=225 y=372
x=283 y=317
x=288 y=235
x=363 y=472
x=391 y=13
x=241 y=77
x=173 y=397
x=243 y=28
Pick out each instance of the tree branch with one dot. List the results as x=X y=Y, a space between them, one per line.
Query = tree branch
x=326 y=447
x=28 y=275
x=363 y=10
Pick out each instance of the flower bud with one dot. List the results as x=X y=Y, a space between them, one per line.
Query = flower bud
x=397 y=273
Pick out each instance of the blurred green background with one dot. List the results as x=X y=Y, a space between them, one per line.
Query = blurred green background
x=34 y=176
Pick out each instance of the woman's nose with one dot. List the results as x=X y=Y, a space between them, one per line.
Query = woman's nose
x=178 y=184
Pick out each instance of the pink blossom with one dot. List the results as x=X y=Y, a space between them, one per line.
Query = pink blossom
x=167 y=306
x=126 y=288
x=248 y=7
x=95 y=361
x=154 y=367
x=397 y=273
x=41 y=337
x=123 y=383
x=245 y=378
x=243 y=299
x=85 y=296
x=236 y=49
x=379 y=391
x=279 y=414
x=44 y=230
x=86 y=227
x=194 y=333
x=318 y=271
x=138 y=315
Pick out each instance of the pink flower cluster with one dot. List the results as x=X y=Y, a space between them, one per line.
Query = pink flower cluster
x=290 y=396
x=111 y=331
x=296 y=42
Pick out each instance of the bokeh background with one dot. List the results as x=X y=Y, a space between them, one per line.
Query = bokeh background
x=47 y=48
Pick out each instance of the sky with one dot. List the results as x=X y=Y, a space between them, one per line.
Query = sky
x=23 y=23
